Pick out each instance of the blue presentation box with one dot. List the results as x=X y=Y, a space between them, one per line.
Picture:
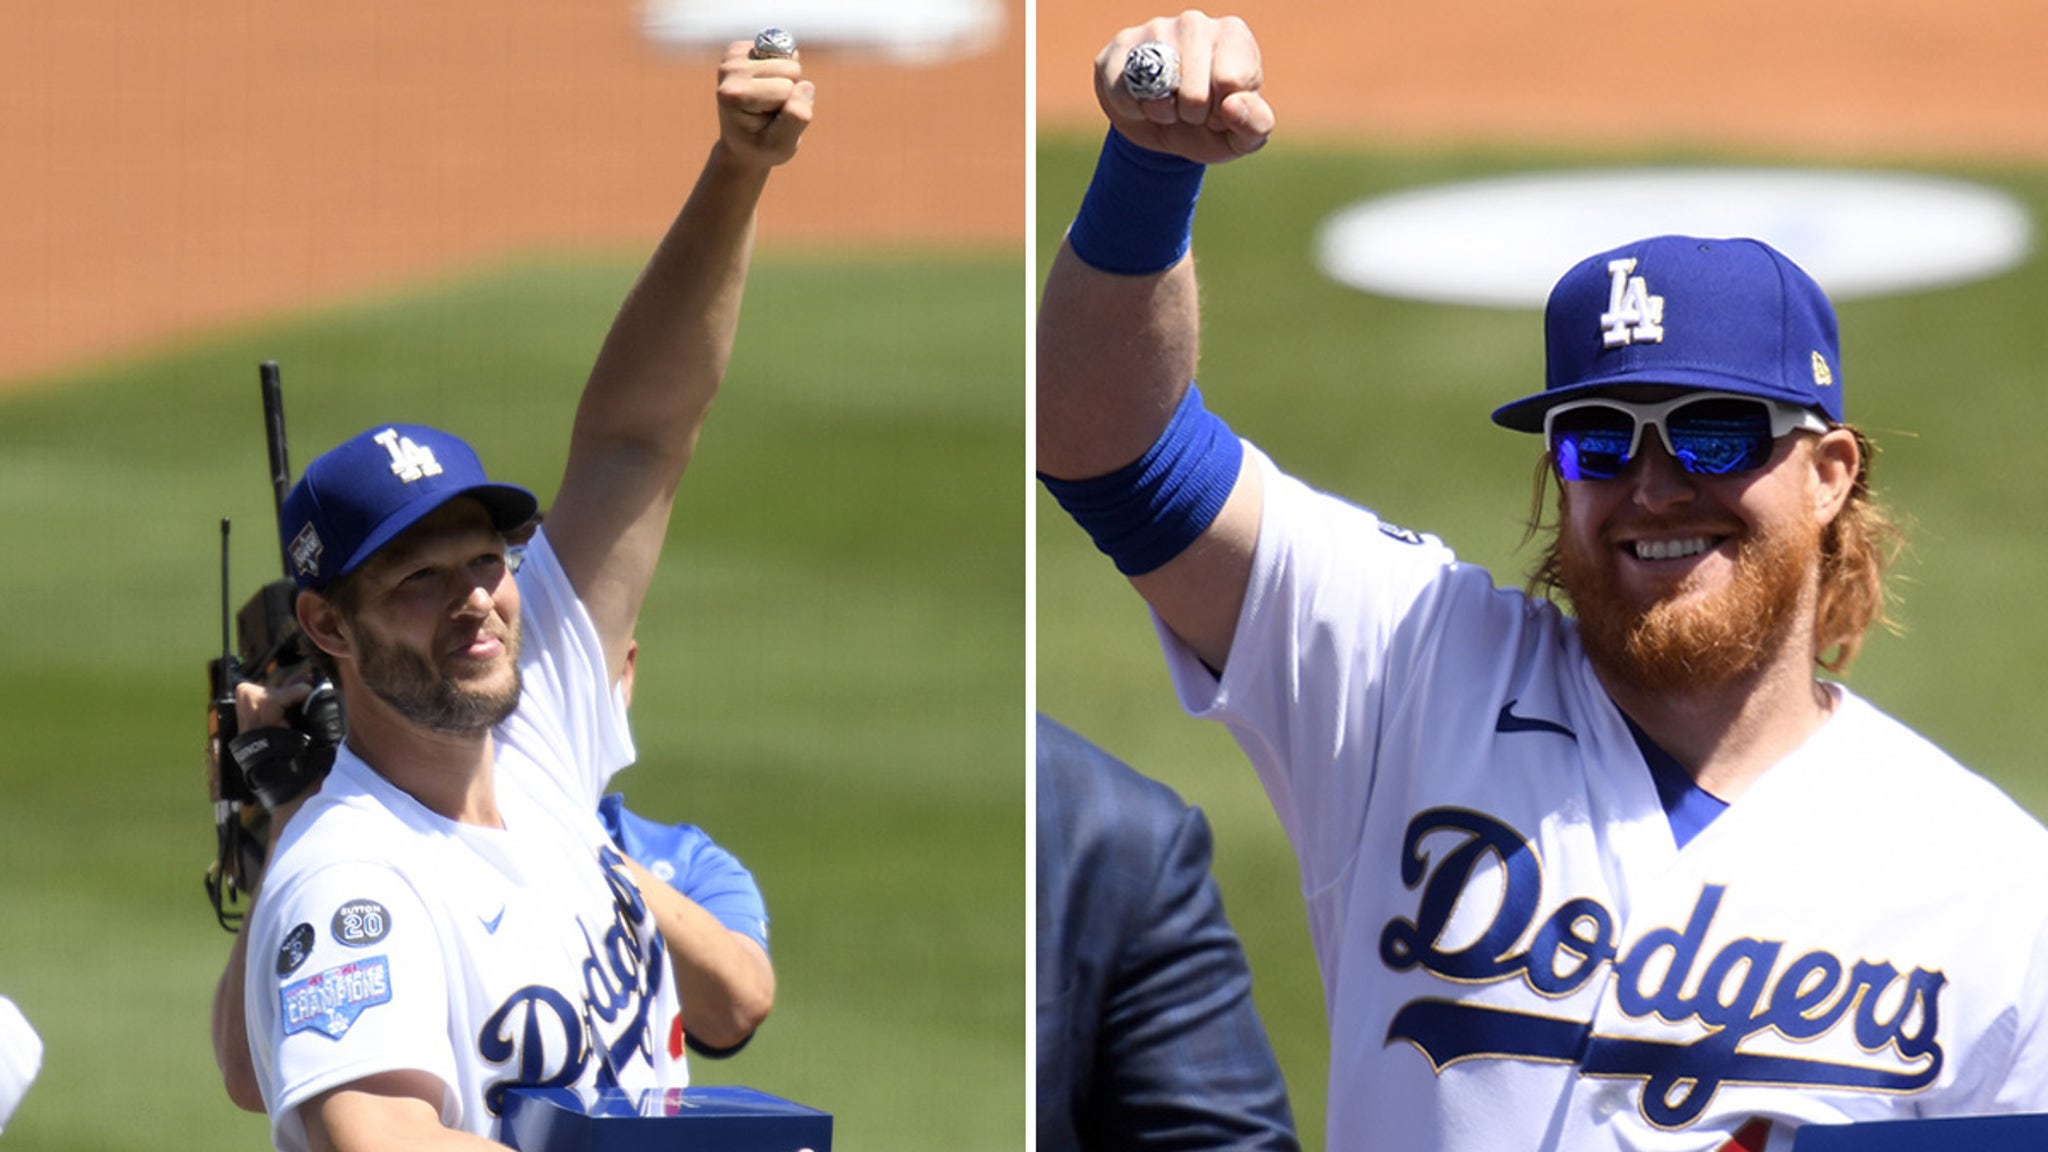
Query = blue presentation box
x=719 y=1119
x=2023 y=1133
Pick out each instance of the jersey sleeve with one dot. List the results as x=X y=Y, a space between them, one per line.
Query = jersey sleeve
x=21 y=1057
x=722 y=886
x=346 y=979
x=685 y=858
x=1342 y=626
x=2022 y=1081
x=2024 y=1085
x=570 y=707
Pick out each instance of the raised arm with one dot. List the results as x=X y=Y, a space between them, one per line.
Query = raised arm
x=1119 y=328
x=662 y=361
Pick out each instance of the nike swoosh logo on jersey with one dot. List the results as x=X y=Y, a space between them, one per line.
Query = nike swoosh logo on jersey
x=1509 y=722
x=491 y=925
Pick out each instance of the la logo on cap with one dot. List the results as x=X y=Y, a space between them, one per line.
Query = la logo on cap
x=409 y=460
x=1633 y=316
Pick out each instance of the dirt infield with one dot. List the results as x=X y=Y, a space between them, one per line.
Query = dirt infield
x=1876 y=78
x=175 y=166
x=178 y=166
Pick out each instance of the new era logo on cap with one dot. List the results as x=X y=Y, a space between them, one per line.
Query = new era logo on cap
x=1726 y=315
x=358 y=496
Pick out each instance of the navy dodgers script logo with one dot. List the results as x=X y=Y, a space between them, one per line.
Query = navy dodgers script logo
x=1745 y=989
x=547 y=1039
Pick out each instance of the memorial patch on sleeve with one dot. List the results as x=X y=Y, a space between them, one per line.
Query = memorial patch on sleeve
x=297 y=946
x=360 y=923
x=329 y=1002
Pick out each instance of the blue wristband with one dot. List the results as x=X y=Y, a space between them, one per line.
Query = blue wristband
x=1147 y=512
x=1139 y=213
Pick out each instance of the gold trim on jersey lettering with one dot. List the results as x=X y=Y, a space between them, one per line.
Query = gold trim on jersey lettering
x=1787 y=1084
x=1732 y=995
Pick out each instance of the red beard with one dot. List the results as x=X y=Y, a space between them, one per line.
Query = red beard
x=1686 y=641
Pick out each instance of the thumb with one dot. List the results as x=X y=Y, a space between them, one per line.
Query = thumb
x=1247 y=119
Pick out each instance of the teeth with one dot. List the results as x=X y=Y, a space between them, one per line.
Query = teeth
x=1671 y=549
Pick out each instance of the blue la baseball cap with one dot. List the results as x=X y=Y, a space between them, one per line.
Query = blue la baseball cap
x=1726 y=315
x=362 y=493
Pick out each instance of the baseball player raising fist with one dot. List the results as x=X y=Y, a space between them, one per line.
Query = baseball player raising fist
x=1629 y=876
x=447 y=919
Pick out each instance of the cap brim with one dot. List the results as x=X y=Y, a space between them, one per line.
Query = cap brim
x=509 y=506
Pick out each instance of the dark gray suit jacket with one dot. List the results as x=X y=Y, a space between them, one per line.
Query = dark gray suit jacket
x=1147 y=1037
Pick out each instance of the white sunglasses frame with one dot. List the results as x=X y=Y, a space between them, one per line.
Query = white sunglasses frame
x=1785 y=418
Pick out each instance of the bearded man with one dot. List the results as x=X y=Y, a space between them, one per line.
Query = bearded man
x=1635 y=876
x=447 y=919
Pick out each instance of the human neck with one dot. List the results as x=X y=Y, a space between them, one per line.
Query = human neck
x=448 y=773
x=1727 y=736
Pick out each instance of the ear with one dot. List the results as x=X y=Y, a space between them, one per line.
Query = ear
x=1837 y=462
x=324 y=624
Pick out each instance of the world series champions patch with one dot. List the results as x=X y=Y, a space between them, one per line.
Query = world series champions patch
x=330 y=1002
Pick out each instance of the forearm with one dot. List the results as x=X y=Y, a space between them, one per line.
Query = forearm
x=1153 y=477
x=1120 y=319
x=387 y=1112
x=257 y=707
x=648 y=395
x=1115 y=355
x=725 y=980
x=661 y=363
x=727 y=986
x=231 y=1032
x=662 y=360
x=668 y=348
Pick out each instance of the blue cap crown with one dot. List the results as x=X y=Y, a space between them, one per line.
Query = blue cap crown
x=361 y=494
x=1727 y=315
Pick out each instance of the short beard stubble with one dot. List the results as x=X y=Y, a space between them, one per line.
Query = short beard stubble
x=415 y=689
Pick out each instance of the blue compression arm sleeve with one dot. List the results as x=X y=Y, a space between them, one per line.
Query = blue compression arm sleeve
x=1147 y=512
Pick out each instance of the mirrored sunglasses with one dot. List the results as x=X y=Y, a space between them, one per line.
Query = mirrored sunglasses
x=1708 y=433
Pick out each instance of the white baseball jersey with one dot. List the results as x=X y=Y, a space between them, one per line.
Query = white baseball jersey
x=388 y=937
x=1516 y=953
x=21 y=1057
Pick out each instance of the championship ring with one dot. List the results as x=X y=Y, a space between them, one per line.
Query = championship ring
x=773 y=44
x=1152 y=71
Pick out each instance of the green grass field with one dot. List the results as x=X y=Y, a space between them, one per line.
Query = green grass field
x=831 y=681
x=1386 y=402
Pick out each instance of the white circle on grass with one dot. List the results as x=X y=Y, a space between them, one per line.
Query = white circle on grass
x=1504 y=242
